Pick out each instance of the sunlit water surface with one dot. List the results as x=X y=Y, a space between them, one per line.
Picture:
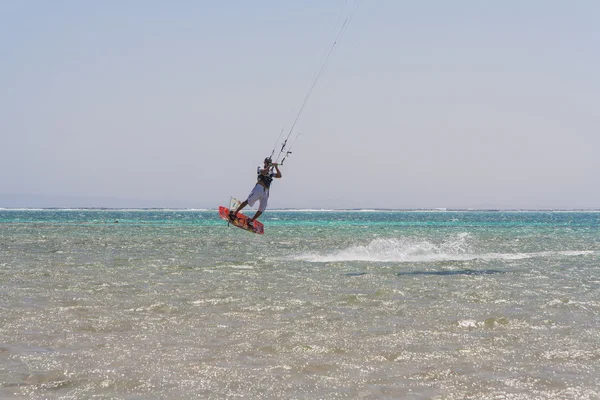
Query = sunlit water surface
x=174 y=304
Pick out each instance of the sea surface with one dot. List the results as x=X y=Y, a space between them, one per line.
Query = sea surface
x=174 y=304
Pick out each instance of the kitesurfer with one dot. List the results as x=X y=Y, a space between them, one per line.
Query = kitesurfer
x=260 y=191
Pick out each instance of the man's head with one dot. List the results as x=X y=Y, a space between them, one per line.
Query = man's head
x=268 y=161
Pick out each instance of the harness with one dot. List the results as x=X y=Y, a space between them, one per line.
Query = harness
x=266 y=179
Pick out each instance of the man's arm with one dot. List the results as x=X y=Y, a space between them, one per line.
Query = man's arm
x=278 y=175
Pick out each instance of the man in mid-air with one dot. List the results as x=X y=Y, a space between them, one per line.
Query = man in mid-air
x=260 y=191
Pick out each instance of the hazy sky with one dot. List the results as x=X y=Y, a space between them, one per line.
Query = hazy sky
x=423 y=103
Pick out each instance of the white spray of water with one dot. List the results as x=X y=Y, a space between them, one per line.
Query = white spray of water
x=417 y=250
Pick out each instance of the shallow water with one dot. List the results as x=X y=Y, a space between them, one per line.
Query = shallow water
x=174 y=304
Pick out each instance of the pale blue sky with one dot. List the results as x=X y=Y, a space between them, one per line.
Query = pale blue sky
x=423 y=104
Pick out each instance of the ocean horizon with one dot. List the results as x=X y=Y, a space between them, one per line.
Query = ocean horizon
x=316 y=209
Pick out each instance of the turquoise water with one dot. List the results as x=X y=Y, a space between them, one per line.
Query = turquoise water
x=327 y=304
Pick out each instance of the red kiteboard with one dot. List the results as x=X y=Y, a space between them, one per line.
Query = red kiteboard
x=241 y=221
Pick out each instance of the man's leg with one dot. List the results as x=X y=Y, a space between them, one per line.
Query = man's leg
x=258 y=214
x=244 y=204
x=261 y=208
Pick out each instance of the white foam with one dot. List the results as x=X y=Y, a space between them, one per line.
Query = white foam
x=238 y=266
x=412 y=250
x=395 y=249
